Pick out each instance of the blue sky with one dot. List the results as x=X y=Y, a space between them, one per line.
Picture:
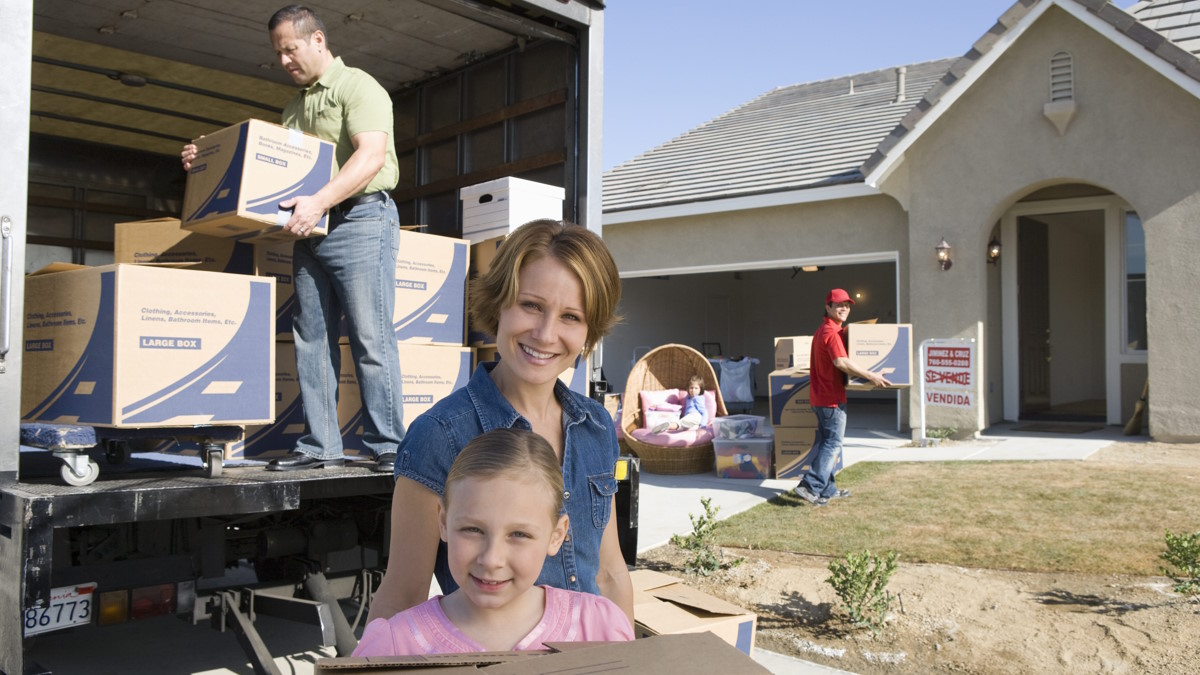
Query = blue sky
x=672 y=65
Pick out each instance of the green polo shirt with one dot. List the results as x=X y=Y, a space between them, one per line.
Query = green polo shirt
x=343 y=102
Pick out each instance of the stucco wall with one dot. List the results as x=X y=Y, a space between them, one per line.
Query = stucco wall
x=1135 y=133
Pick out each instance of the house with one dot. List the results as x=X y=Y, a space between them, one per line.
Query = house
x=1067 y=138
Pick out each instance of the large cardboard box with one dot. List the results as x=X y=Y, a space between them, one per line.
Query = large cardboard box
x=242 y=173
x=275 y=260
x=794 y=452
x=500 y=206
x=428 y=373
x=884 y=348
x=162 y=240
x=790 y=398
x=663 y=604
x=431 y=291
x=145 y=346
x=698 y=654
x=793 y=352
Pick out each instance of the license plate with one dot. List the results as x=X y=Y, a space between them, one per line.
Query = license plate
x=69 y=606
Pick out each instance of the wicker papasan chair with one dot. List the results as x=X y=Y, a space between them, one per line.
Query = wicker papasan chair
x=662 y=369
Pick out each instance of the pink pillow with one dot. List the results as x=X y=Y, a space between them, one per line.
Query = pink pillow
x=652 y=399
x=675 y=439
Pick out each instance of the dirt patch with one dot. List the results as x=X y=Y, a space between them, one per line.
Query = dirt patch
x=953 y=619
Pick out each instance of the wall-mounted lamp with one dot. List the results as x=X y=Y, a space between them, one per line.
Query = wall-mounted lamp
x=943 y=254
x=993 y=251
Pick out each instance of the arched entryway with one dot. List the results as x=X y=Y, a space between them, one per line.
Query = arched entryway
x=1072 y=279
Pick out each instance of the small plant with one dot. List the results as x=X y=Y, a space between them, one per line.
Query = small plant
x=705 y=559
x=941 y=433
x=1183 y=555
x=860 y=581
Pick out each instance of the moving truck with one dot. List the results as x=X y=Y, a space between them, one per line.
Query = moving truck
x=99 y=97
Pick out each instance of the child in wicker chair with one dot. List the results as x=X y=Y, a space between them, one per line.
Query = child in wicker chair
x=694 y=414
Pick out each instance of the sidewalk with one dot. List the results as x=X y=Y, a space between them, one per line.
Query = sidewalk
x=666 y=501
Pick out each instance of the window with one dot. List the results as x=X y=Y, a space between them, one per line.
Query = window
x=1135 y=283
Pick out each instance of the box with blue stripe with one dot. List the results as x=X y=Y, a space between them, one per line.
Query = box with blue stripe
x=147 y=346
x=242 y=173
x=884 y=348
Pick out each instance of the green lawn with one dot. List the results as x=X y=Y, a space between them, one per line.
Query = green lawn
x=1041 y=516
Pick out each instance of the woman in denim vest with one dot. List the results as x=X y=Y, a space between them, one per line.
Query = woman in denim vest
x=549 y=296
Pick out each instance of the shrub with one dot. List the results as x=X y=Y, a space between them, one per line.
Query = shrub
x=1183 y=554
x=705 y=559
x=860 y=581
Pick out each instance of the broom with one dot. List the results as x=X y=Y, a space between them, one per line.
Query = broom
x=1134 y=426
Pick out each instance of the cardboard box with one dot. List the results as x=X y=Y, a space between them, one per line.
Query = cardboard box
x=500 y=206
x=794 y=452
x=793 y=352
x=744 y=457
x=242 y=173
x=482 y=255
x=162 y=240
x=699 y=653
x=275 y=260
x=428 y=373
x=663 y=604
x=145 y=346
x=884 y=348
x=431 y=290
x=790 y=398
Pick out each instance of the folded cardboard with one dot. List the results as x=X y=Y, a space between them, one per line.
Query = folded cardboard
x=884 y=348
x=663 y=604
x=793 y=351
x=790 y=392
x=163 y=240
x=275 y=260
x=500 y=206
x=794 y=452
x=146 y=346
x=748 y=457
x=482 y=255
x=698 y=654
x=241 y=174
x=428 y=373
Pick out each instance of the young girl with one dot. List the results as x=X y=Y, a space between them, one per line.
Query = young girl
x=501 y=516
x=695 y=412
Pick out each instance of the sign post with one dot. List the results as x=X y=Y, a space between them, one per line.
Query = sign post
x=948 y=375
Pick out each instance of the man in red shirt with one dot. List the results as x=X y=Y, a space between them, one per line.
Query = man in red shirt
x=829 y=365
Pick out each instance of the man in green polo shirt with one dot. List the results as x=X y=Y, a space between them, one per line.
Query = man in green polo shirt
x=352 y=270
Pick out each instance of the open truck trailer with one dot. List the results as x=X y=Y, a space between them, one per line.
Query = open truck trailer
x=98 y=99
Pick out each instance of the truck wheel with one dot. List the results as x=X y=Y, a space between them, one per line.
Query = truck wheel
x=89 y=476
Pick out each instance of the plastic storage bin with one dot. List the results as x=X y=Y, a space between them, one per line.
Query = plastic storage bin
x=738 y=426
x=744 y=457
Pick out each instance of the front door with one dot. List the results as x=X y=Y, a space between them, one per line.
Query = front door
x=1060 y=278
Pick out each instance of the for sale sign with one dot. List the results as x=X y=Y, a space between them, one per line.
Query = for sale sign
x=950 y=375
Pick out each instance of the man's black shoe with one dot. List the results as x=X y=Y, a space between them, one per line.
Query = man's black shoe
x=386 y=463
x=299 y=460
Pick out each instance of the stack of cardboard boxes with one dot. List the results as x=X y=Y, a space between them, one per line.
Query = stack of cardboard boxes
x=791 y=409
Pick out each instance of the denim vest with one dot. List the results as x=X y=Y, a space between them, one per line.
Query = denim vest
x=436 y=437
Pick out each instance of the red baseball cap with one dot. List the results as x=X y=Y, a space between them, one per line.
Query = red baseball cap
x=838 y=295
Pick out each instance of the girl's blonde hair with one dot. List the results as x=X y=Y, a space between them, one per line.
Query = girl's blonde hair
x=511 y=453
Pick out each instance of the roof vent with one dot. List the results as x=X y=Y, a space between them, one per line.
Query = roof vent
x=900 y=73
x=1060 y=110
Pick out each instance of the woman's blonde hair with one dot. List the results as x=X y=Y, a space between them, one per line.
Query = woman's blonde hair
x=578 y=248
x=512 y=453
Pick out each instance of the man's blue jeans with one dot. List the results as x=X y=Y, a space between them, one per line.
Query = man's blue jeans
x=831 y=426
x=350 y=271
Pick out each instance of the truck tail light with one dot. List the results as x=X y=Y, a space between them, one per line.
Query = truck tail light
x=114 y=607
x=151 y=601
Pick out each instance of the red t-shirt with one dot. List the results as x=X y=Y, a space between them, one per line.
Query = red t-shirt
x=828 y=387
